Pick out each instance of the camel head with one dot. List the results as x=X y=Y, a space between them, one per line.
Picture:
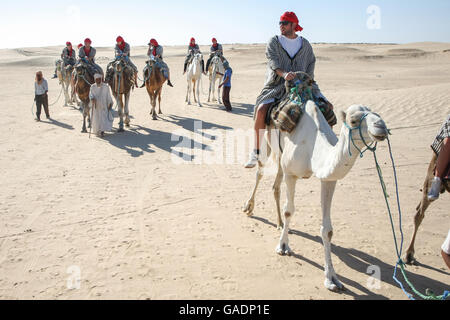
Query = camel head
x=365 y=124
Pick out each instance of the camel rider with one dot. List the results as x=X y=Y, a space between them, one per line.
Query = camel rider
x=155 y=52
x=216 y=49
x=87 y=55
x=68 y=56
x=79 y=46
x=286 y=54
x=192 y=49
x=121 y=51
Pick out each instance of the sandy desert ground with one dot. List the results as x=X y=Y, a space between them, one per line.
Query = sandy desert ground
x=132 y=223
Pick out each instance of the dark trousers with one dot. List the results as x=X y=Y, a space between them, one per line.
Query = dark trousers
x=42 y=100
x=226 y=97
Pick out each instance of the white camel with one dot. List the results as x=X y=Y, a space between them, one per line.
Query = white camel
x=313 y=149
x=215 y=70
x=64 y=74
x=194 y=75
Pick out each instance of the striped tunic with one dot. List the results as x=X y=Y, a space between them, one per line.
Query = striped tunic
x=125 y=52
x=304 y=60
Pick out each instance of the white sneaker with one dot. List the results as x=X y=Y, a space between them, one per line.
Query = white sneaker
x=253 y=161
x=435 y=189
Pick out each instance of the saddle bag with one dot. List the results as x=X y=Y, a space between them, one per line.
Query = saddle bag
x=290 y=110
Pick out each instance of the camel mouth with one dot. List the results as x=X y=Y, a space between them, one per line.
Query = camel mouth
x=379 y=137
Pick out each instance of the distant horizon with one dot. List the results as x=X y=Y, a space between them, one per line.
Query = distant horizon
x=240 y=43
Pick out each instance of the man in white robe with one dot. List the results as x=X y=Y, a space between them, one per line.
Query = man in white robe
x=102 y=102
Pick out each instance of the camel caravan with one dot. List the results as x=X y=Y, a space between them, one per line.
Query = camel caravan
x=293 y=121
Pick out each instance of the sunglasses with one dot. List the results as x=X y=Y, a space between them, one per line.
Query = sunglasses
x=284 y=23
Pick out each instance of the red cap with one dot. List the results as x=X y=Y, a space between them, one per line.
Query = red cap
x=214 y=39
x=192 y=40
x=87 y=40
x=68 y=43
x=291 y=17
x=119 y=39
x=153 y=42
x=79 y=45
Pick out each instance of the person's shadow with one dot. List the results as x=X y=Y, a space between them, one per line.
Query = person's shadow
x=58 y=123
x=360 y=262
x=241 y=109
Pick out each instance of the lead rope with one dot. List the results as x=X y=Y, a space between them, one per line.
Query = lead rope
x=429 y=295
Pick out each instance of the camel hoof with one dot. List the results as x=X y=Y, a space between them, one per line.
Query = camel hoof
x=334 y=285
x=409 y=259
x=160 y=112
x=280 y=227
x=127 y=125
x=248 y=208
x=84 y=130
x=283 y=250
x=120 y=130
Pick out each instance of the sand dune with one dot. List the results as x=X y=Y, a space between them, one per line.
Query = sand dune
x=133 y=224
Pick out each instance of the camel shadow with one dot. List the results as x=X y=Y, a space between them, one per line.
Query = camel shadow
x=139 y=140
x=360 y=262
x=59 y=124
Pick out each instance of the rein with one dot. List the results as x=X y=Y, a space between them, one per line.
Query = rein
x=429 y=295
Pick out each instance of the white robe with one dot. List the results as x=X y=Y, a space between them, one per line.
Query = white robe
x=102 y=118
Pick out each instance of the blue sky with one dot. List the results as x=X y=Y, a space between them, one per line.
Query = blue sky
x=41 y=23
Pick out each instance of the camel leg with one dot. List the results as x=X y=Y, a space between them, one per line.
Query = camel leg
x=250 y=204
x=193 y=90
x=66 y=93
x=153 y=101
x=198 y=94
x=277 y=193
x=159 y=100
x=331 y=281
x=210 y=89
x=120 y=109
x=213 y=89
x=283 y=246
x=188 y=93
x=127 y=110
x=420 y=210
x=85 y=115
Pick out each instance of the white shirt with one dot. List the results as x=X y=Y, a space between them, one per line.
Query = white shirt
x=292 y=46
x=446 y=245
x=40 y=89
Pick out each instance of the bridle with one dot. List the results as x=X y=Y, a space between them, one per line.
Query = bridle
x=370 y=147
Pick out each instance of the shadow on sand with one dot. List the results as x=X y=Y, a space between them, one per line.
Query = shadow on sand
x=138 y=140
x=360 y=261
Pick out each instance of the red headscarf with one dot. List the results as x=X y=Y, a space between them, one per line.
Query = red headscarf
x=71 y=50
x=79 y=45
x=190 y=43
x=154 y=43
x=291 y=17
x=214 y=39
x=121 y=42
x=86 y=50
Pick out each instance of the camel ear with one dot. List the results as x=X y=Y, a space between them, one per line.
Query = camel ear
x=342 y=116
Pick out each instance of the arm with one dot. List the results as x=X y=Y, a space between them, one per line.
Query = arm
x=224 y=81
x=45 y=86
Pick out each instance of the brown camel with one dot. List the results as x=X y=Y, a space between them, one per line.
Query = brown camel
x=423 y=206
x=154 y=81
x=82 y=87
x=121 y=84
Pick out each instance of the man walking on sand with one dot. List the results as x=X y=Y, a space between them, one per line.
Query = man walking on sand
x=286 y=54
x=226 y=84
x=101 y=105
x=41 y=95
